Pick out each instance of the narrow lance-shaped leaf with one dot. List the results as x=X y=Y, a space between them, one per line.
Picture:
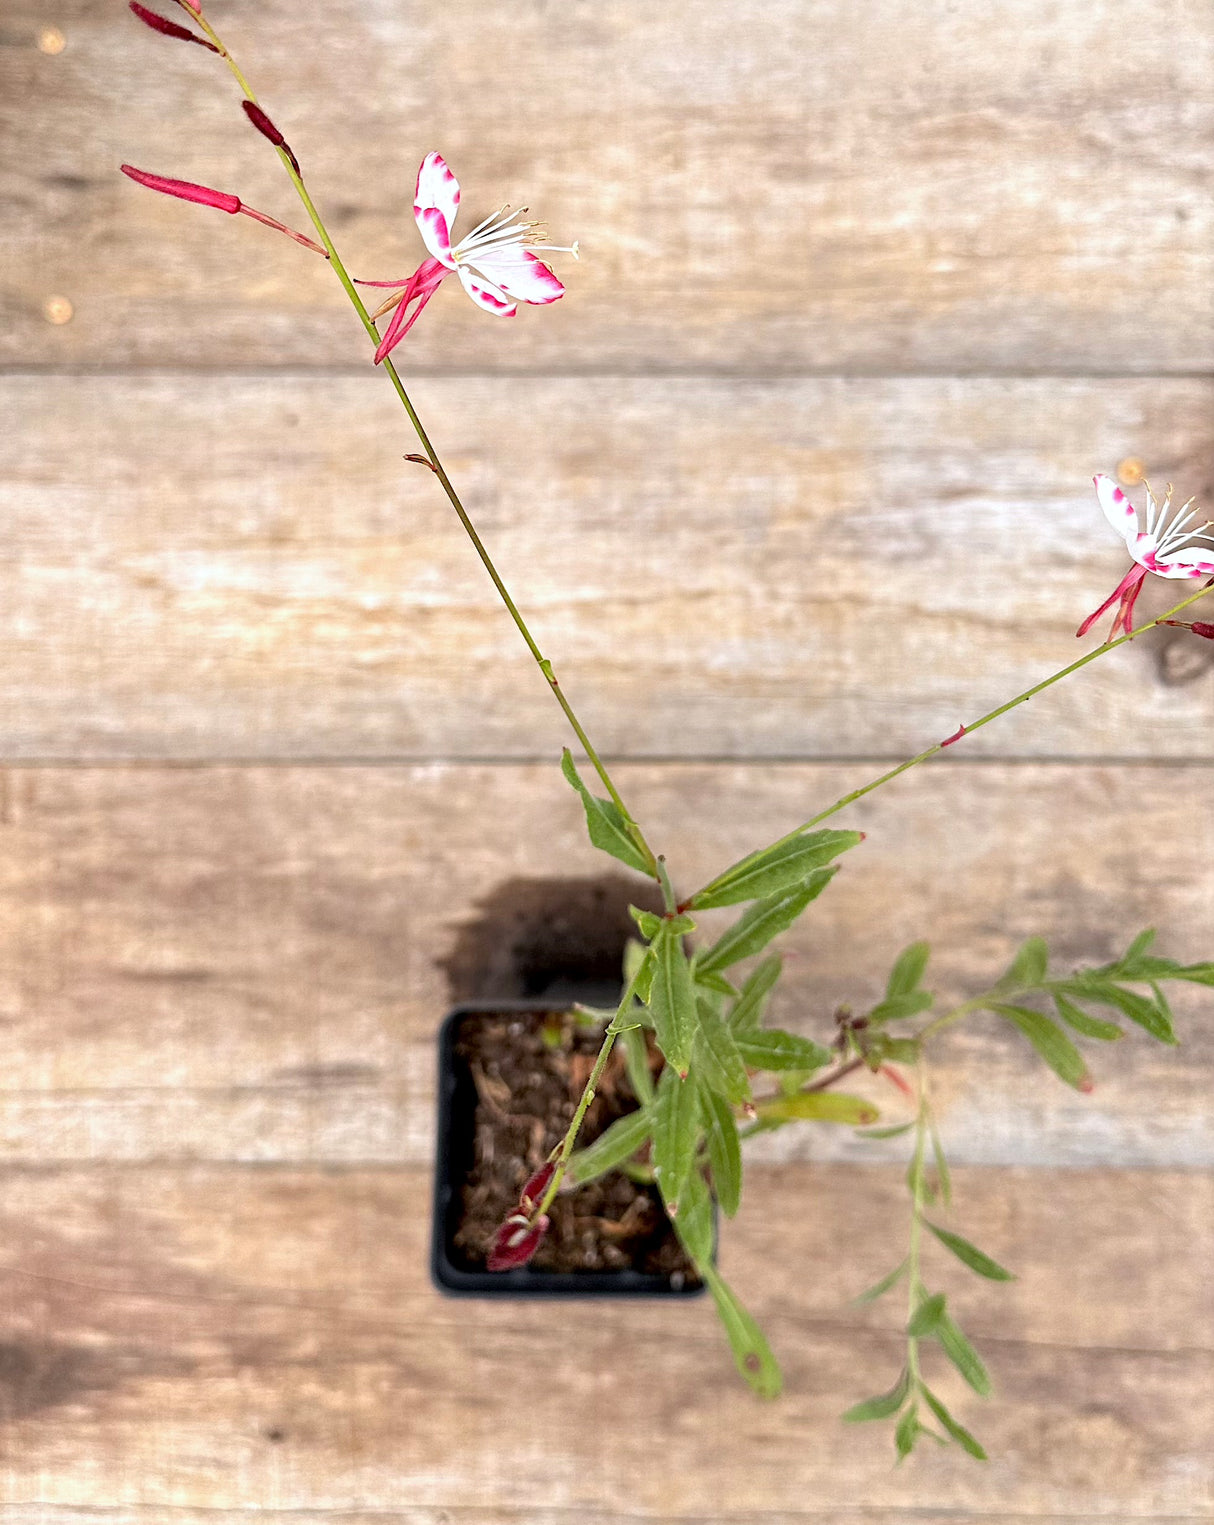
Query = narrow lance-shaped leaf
x=605 y=822
x=724 y=1150
x=907 y=1433
x=763 y=921
x=886 y=1284
x=716 y=1055
x=958 y=1431
x=694 y=1225
x=926 y=1318
x=636 y=1062
x=1082 y=1022
x=1145 y=1013
x=715 y=982
x=771 y=1049
x=883 y=1407
x=748 y=1013
x=896 y=1008
x=672 y=1001
x=963 y=1355
x=908 y=970
x=774 y=870
x=1050 y=1042
x=969 y=1254
x=1029 y=966
x=751 y=1351
x=817 y=1106
x=676 y=1129
x=612 y=1148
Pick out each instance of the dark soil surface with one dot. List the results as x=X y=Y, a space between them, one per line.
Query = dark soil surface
x=529 y=1069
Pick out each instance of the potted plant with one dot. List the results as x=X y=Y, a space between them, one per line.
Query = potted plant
x=684 y=1054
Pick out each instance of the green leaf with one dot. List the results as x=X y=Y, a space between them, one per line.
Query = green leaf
x=880 y=1288
x=724 y=1150
x=774 y=870
x=817 y=1106
x=1199 y=974
x=907 y=1433
x=1029 y=966
x=969 y=1254
x=694 y=1224
x=616 y=1144
x=897 y=1008
x=1050 y=1042
x=648 y=922
x=899 y=1050
x=717 y=983
x=765 y=920
x=751 y=1351
x=748 y=1013
x=1145 y=1013
x=636 y=1062
x=1139 y=946
x=676 y=1130
x=772 y=1049
x=907 y=973
x=717 y=1058
x=963 y=1356
x=605 y=822
x=1090 y=1027
x=926 y=1318
x=943 y=1177
x=958 y=1431
x=896 y=1130
x=672 y=1001
x=882 y=1407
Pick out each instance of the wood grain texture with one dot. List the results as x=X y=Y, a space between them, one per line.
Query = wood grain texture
x=758 y=187
x=246 y=568
x=237 y=1340
x=251 y=963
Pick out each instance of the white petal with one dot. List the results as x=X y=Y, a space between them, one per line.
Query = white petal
x=1189 y=561
x=434 y=206
x=518 y=273
x=491 y=301
x=1118 y=510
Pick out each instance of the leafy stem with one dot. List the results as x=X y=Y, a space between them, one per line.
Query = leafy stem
x=435 y=463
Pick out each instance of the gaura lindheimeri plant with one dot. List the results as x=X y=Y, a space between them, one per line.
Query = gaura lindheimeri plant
x=726 y=1075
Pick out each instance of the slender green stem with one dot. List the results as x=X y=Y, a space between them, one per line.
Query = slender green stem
x=587 y=1096
x=439 y=470
x=1029 y=693
x=914 y=1291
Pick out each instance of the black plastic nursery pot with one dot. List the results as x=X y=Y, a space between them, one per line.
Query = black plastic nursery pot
x=509 y=1074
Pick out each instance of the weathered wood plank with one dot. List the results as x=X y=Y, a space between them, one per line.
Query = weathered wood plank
x=246 y=568
x=252 y=963
x=764 y=187
x=233 y=1340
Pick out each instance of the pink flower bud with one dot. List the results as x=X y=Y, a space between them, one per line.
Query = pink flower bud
x=532 y=1194
x=954 y=738
x=168 y=28
x=185 y=190
x=516 y=1242
x=267 y=129
x=1203 y=628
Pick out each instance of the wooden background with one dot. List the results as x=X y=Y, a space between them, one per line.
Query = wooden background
x=794 y=481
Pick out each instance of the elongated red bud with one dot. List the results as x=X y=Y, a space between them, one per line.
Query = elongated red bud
x=533 y=1193
x=268 y=130
x=1203 y=628
x=950 y=741
x=184 y=190
x=168 y=28
x=516 y=1242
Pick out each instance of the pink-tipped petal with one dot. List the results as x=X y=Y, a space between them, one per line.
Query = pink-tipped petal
x=184 y=190
x=489 y=300
x=1188 y=561
x=435 y=203
x=518 y=273
x=1118 y=509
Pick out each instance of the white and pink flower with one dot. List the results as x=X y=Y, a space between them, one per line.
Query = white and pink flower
x=1173 y=549
x=495 y=263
